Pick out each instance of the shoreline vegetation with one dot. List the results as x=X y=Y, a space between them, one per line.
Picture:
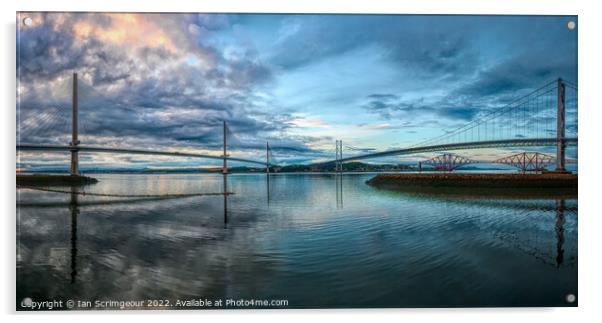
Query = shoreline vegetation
x=561 y=185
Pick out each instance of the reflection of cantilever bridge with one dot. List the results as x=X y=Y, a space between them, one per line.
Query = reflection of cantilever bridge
x=538 y=119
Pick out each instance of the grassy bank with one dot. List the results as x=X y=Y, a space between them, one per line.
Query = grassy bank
x=535 y=185
x=60 y=180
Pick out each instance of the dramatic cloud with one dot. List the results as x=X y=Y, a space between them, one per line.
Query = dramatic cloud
x=389 y=106
x=142 y=77
x=168 y=81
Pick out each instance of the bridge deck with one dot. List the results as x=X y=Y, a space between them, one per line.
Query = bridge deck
x=130 y=151
x=522 y=142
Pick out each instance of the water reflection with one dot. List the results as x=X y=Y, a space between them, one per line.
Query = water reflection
x=267 y=181
x=560 y=207
x=74 y=210
x=300 y=247
x=338 y=178
x=225 y=179
x=73 y=207
x=508 y=199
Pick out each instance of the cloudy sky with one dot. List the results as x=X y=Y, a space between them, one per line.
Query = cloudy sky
x=166 y=81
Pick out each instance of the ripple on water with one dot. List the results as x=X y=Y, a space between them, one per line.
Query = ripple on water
x=310 y=241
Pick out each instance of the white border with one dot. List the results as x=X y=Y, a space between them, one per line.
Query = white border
x=589 y=118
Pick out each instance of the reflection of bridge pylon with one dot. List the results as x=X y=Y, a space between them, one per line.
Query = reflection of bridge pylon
x=74 y=210
x=550 y=251
x=338 y=176
x=339 y=190
x=560 y=207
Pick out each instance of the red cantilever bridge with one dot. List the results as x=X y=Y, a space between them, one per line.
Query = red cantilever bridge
x=526 y=161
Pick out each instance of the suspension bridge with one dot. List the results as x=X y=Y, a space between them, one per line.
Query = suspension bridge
x=537 y=119
x=545 y=117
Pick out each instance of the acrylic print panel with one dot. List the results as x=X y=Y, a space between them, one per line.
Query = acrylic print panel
x=259 y=161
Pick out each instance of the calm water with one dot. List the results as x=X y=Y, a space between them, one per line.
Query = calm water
x=309 y=239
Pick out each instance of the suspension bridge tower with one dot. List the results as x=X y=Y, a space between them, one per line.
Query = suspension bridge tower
x=225 y=167
x=338 y=167
x=560 y=125
x=74 y=135
x=267 y=157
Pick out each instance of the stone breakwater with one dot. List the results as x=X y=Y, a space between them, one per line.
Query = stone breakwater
x=547 y=184
x=58 y=180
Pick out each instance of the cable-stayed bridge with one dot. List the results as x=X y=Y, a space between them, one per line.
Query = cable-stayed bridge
x=34 y=133
x=546 y=117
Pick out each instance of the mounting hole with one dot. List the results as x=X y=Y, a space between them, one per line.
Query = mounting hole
x=571 y=298
x=571 y=25
x=27 y=21
x=26 y=302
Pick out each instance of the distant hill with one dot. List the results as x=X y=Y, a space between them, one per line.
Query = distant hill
x=351 y=167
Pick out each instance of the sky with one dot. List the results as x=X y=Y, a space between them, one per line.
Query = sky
x=377 y=82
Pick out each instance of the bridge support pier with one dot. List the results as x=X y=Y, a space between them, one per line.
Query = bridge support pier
x=560 y=125
x=74 y=134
